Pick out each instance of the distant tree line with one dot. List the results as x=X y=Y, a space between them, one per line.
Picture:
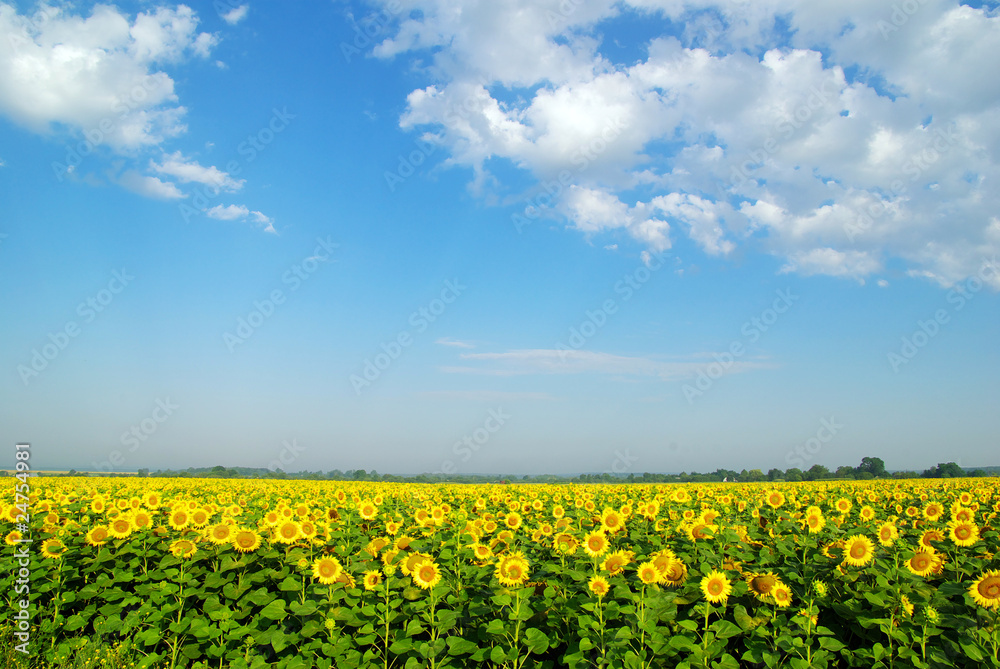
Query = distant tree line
x=869 y=468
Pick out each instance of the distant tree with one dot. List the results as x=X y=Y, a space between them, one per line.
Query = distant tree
x=944 y=471
x=774 y=474
x=845 y=472
x=793 y=474
x=142 y=472
x=874 y=466
x=816 y=472
x=755 y=475
x=864 y=476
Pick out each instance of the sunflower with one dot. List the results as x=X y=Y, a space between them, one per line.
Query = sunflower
x=599 y=586
x=867 y=513
x=183 y=548
x=922 y=563
x=843 y=505
x=611 y=521
x=200 y=517
x=327 y=570
x=307 y=530
x=963 y=533
x=373 y=579
x=716 y=587
x=120 y=527
x=858 y=550
x=367 y=510
x=481 y=553
x=930 y=535
x=815 y=522
x=963 y=514
x=245 y=540
x=141 y=519
x=906 y=605
x=933 y=511
x=97 y=536
x=648 y=573
x=762 y=586
x=595 y=543
x=512 y=571
x=782 y=595
x=565 y=543
x=13 y=537
x=53 y=548
x=986 y=590
x=887 y=534
x=221 y=533
x=775 y=499
x=152 y=500
x=179 y=519
x=698 y=531
x=616 y=562
x=287 y=532
x=426 y=574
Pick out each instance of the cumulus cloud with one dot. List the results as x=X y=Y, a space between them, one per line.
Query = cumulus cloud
x=188 y=171
x=236 y=14
x=97 y=76
x=239 y=212
x=148 y=186
x=833 y=136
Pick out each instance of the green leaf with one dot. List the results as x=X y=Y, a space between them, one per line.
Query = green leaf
x=724 y=629
x=459 y=646
x=497 y=656
x=536 y=641
x=275 y=610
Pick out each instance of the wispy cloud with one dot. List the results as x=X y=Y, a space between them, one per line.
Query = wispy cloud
x=555 y=361
x=448 y=341
x=488 y=395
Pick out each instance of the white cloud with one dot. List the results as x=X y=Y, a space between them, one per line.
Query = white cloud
x=239 y=212
x=188 y=171
x=148 y=186
x=235 y=15
x=448 y=341
x=733 y=129
x=555 y=361
x=97 y=76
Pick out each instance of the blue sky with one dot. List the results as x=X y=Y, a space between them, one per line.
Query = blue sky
x=516 y=237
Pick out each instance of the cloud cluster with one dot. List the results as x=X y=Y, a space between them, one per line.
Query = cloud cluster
x=841 y=138
x=99 y=81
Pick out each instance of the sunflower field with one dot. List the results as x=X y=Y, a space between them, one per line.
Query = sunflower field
x=212 y=573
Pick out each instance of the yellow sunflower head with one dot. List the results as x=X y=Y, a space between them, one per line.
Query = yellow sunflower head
x=716 y=587
x=327 y=570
